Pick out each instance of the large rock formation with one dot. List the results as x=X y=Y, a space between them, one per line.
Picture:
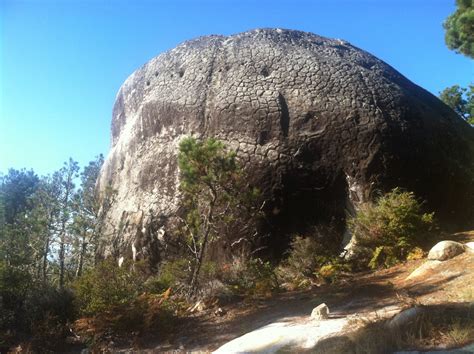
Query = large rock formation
x=320 y=124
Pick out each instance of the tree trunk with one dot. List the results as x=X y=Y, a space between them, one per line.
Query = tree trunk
x=195 y=279
x=197 y=269
x=61 y=262
x=81 y=256
x=62 y=233
x=45 y=258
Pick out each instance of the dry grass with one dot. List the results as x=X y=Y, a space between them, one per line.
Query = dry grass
x=446 y=326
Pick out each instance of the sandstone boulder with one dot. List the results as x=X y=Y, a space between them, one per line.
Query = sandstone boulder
x=319 y=124
x=445 y=250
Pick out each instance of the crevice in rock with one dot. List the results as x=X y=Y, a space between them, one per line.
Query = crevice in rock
x=265 y=72
x=284 y=115
x=262 y=137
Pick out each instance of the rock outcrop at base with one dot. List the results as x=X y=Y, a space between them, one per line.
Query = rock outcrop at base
x=319 y=124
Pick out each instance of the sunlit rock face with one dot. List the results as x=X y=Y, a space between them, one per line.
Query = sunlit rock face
x=319 y=124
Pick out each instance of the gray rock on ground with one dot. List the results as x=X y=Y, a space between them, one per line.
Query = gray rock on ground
x=445 y=250
x=320 y=312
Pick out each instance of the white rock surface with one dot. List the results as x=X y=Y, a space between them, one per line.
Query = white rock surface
x=274 y=336
x=469 y=246
x=445 y=250
x=296 y=334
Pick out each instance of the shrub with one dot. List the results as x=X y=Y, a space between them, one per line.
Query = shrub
x=172 y=274
x=35 y=310
x=122 y=303
x=147 y=313
x=313 y=258
x=253 y=278
x=415 y=253
x=332 y=270
x=391 y=227
x=302 y=259
x=14 y=287
x=107 y=286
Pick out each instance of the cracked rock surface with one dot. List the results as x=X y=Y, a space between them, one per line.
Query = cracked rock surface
x=320 y=125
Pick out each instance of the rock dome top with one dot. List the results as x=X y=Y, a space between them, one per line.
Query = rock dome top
x=254 y=64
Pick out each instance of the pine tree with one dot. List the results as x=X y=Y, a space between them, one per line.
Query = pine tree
x=216 y=196
x=461 y=100
x=460 y=28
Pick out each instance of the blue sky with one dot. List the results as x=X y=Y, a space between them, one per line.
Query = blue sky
x=63 y=61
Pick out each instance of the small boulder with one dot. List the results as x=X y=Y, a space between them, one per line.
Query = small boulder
x=320 y=312
x=445 y=250
x=404 y=317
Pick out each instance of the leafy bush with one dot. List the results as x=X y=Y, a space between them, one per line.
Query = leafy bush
x=121 y=302
x=391 y=227
x=36 y=310
x=415 y=253
x=49 y=310
x=313 y=258
x=332 y=270
x=253 y=278
x=107 y=286
x=14 y=287
x=302 y=259
x=147 y=313
x=172 y=274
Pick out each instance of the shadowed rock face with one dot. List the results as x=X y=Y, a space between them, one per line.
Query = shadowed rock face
x=320 y=124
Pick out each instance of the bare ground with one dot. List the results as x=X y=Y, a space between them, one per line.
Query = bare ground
x=359 y=293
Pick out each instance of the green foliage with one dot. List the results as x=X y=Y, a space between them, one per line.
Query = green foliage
x=106 y=287
x=16 y=190
x=16 y=187
x=124 y=302
x=42 y=244
x=312 y=258
x=461 y=100
x=171 y=274
x=302 y=261
x=37 y=309
x=331 y=271
x=391 y=227
x=460 y=28
x=253 y=278
x=216 y=198
x=204 y=164
x=14 y=285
